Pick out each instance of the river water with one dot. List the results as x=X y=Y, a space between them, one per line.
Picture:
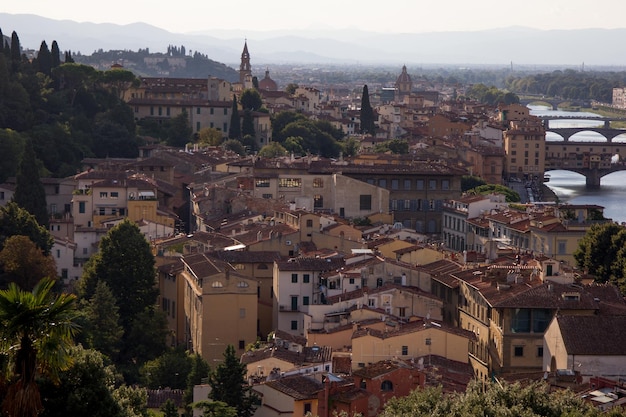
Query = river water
x=570 y=186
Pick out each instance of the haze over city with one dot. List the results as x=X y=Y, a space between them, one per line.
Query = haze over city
x=394 y=16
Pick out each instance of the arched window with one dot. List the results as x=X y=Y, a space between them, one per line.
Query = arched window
x=217 y=284
x=242 y=284
x=262 y=266
x=386 y=385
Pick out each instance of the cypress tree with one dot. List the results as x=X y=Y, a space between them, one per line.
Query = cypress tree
x=29 y=191
x=44 y=59
x=68 y=57
x=234 y=130
x=247 y=125
x=228 y=384
x=1 y=42
x=16 y=49
x=367 y=113
x=56 y=54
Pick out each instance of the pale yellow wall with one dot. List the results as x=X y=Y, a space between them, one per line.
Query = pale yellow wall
x=525 y=136
x=422 y=256
x=346 y=231
x=298 y=407
x=274 y=403
x=283 y=245
x=215 y=314
x=341 y=244
x=172 y=288
x=336 y=340
x=548 y=243
x=369 y=349
x=388 y=249
x=553 y=347
x=265 y=366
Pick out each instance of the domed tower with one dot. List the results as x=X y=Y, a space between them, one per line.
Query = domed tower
x=404 y=85
x=245 y=70
x=267 y=84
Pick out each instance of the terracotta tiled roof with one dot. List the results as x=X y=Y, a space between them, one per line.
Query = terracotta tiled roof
x=298 y=387
x=443 y=271
x=593 y=335
x=310 y=264
x=309 y=355
x=342 y=364
x=251 y=234
x=549 y=295
x=280 y=334
x=204 y=267
x=234 y=256
x=377 y=369
x=350 y=395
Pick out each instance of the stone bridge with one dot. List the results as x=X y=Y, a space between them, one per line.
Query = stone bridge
x=552 y=101
x=567 y=132
x=594 y=160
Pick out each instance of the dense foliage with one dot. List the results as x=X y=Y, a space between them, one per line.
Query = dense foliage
x=15 y=220
x=570 y=84
x=229 y=385
x=29 y=191
x=602 y=253
x=85 y=388
x=471 y=181
x=300 y=135
x=36 y=332
x=126 y=264
x=69 y=111
x=494 y=399
x=491 y=95
x=511 y=196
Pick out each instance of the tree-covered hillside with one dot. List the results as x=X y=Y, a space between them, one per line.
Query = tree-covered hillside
x=68 y=111
x=177 y=62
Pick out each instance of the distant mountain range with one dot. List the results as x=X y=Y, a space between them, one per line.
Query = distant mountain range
x=498 y=47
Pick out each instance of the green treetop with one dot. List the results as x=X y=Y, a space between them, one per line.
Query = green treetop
x=229 y=385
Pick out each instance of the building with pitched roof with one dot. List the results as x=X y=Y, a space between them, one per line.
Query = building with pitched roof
x=290 y=396
x=220 y=307
x=298 y=284
x=385 y=380
x=275 y=360
x=592 y=345
x=257 y=266
x=411 y=340
x=508 y=307
x=456 y=214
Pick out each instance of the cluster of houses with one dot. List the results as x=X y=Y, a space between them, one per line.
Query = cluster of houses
x=342 y=283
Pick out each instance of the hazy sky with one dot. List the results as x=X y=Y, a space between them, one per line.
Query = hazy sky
x=383 y=16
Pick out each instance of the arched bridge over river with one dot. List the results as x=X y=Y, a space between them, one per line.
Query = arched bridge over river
x=594 y=160
x=603 y=128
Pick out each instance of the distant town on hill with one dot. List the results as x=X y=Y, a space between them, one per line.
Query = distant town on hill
x=175 y=63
